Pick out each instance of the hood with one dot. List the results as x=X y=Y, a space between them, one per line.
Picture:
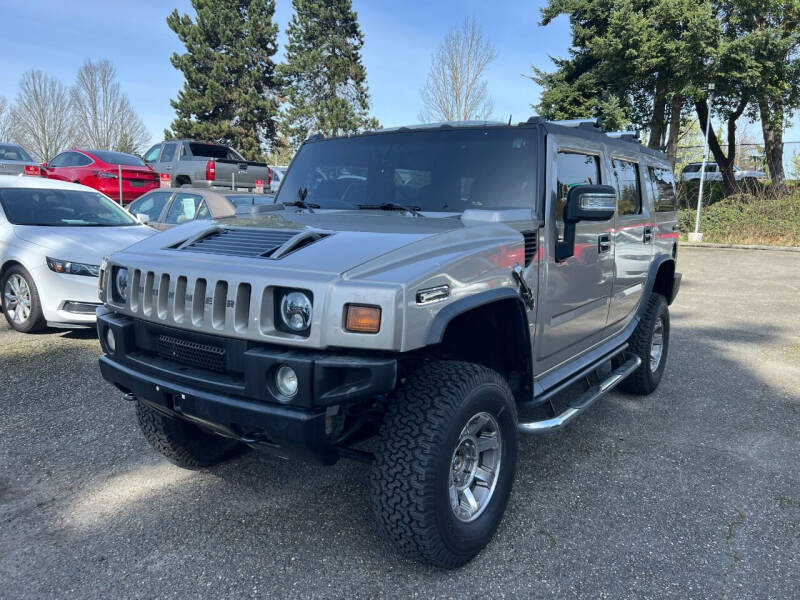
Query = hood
x=83 y=244
x=333 y=242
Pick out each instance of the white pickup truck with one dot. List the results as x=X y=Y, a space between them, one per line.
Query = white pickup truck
x=713 y=173
x=205 y=164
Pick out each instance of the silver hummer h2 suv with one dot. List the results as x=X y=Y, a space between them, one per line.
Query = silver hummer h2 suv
x=440 y=289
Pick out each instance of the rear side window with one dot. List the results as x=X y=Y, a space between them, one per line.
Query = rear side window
x=201 y=150
x=184 y=208
x=79 y=160
x=628 y=187
x=169 y=152
x=574 y=169
x=662 y=184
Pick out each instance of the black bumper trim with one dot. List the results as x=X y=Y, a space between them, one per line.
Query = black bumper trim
x=297 y=432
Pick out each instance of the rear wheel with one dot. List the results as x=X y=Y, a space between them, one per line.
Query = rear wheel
x=650 y=342
x=181 y=442
x=445 y=462
x=21 y=303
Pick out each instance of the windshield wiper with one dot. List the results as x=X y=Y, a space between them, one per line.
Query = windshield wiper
x=412 y=210
x=301 y=200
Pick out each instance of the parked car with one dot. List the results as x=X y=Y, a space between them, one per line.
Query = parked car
x=53 y=237
x=163 y=209
x=100 y=169
x=203 y=164
x=692 y=172
x=442 y=288
x=15 y=160
x=277 y=177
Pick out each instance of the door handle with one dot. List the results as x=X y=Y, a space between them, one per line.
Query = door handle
x=168 y=167
x=647 y=237
x=604 y=243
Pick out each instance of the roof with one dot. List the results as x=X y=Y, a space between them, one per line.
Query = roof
x=22 y=181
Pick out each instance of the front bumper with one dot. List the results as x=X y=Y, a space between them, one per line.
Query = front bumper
x=241 y=401
x=66 y=299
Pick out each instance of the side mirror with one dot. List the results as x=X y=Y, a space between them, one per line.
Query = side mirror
x=584 y=203
x=143 y=218
x=44 y=165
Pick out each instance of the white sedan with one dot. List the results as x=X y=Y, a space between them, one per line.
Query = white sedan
x=53 y=237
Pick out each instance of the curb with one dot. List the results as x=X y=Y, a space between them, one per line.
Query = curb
x=683 y=244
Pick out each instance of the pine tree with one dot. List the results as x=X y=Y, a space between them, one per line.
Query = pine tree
x=323 y=79
x=229 y=93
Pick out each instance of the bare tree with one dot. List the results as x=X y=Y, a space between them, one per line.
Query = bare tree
x=104 y=116
x=41 y=116
x=455 y=89
x=6 y=134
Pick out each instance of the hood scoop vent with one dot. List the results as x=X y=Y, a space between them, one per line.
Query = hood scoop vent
x=250 y=242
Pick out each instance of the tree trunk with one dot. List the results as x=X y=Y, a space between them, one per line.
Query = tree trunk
x=725 y=163
x=659 y=109
x=771 y=126
x=674 y=127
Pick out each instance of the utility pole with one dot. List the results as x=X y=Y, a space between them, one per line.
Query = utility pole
x=697 y=236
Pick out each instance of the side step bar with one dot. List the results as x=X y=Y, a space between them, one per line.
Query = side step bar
x=585 y=400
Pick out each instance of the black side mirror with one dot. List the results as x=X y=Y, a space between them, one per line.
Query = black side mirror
x=584 y=203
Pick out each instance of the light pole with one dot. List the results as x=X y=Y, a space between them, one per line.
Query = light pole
x=697 y=236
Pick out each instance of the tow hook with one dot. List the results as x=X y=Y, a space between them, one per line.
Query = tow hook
x=524 y=291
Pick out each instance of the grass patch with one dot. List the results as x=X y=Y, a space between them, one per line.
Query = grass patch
x=771 y=220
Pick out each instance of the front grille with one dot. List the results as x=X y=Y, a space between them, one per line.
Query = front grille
x=194 y=354
x=241 y=241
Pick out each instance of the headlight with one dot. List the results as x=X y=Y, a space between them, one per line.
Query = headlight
x=295 y=311
x=72 y=268
x=120 y=285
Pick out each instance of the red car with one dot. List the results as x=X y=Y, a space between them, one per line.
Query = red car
x=99 y=169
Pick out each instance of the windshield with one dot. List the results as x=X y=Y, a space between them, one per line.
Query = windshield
x=118 y=158
x=448 y=170
x=61 y=208
x=13 y=152
x=200 y=150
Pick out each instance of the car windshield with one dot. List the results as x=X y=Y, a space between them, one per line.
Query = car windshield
x=442 y=170
x=13 y=152
x=62 y=208
x=249 y=199
x=118 y=158
x=201 y=150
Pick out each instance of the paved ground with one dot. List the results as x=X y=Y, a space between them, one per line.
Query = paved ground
x=693 y=492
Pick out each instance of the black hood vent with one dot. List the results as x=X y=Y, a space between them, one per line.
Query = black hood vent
x=252 y=243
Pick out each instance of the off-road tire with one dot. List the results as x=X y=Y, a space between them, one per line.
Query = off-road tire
x=182 y=443
x=35 y=321
x=411 y=471
x=644 y=380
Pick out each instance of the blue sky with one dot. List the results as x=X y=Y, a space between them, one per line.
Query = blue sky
x=400 y=38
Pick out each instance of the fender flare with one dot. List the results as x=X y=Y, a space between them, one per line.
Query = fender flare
x=454 y=309
x=657 y=263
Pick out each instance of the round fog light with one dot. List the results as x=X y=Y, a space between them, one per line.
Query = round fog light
x=111 y=342
x=286 y=381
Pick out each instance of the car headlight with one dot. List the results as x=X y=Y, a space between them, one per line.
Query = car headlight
x=295 y=309
x=119 y=290
x=72 y=268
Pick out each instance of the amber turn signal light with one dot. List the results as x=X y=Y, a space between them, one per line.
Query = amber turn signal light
x=362 y=319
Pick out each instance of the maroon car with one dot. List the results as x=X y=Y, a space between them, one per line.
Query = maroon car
x=100 y=169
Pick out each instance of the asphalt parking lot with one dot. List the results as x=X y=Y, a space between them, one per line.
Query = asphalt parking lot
x=693 y=492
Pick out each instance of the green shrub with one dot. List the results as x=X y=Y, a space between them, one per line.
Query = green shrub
x=748 y=219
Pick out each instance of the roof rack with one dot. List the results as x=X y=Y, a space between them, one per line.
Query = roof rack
x=628 y=136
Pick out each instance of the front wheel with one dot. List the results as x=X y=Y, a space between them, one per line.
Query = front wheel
x=445 y=462
x=21 y=303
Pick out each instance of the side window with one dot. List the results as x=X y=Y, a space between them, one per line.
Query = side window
x=80 y=160
x=203 y=212
x=663 y=185
x=183 y=208
x=59 y=160
x=151 y=205
x=711 y=168
x=168 y=155
x=630 y=191
x=152 y=154
x=573 y=169
x=71 y=159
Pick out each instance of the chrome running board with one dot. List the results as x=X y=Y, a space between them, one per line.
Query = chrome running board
x=585 y=400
